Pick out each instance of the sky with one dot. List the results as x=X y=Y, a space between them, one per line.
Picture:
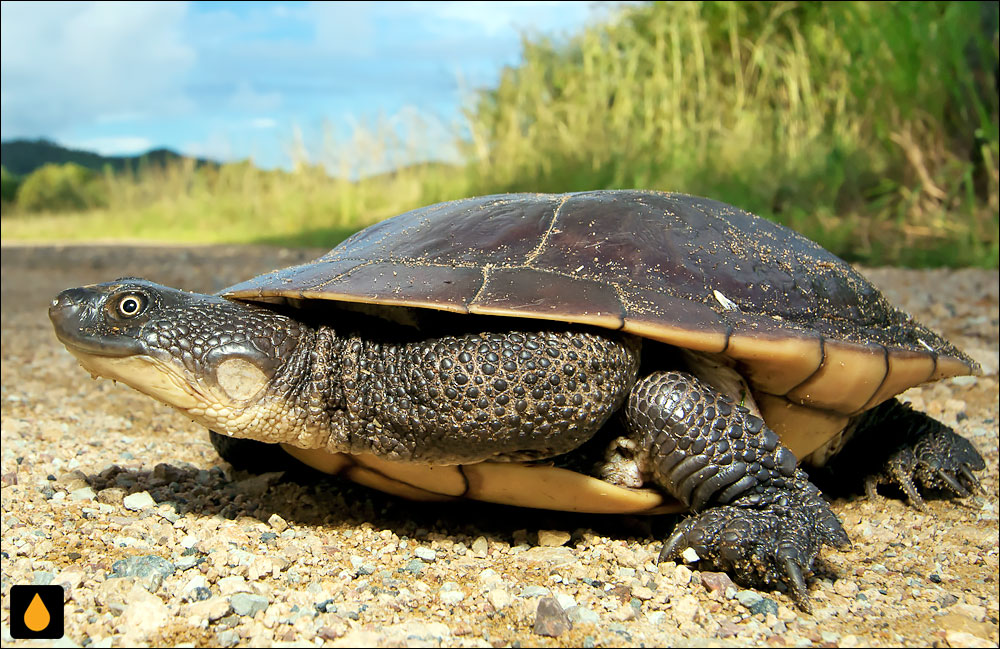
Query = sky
x=230 y=80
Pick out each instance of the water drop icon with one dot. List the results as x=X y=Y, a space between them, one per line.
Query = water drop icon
x=36 y=617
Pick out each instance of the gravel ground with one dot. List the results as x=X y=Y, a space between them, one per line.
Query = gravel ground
x=124 y=502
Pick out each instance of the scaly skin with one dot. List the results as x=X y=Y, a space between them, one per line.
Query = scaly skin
x=894 y=444
x=757 y=516
x=511 y=390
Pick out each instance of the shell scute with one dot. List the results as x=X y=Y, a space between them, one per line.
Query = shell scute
x=692 y=272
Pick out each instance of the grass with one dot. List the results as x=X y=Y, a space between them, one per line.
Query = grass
x=870 y=127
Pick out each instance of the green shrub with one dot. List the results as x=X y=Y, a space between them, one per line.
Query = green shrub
x=810 y=113
x=62 y=188
x=9 y=184
x=871 y=127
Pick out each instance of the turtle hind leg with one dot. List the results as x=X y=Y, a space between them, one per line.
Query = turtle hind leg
x=905 y=447
x=756 y=515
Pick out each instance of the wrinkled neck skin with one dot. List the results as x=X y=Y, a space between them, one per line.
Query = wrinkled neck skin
x=300 y=402
x=347 y=385
x=240 y=369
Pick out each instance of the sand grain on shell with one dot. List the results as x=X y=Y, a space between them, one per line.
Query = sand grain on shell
x=125 y=503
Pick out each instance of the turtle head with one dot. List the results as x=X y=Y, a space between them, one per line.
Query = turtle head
x=207 y=356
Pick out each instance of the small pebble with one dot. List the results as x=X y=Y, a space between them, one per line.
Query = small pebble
x=550 y=619
x=764 y=606
x=426 y=554
x=717 y=582
x=748 y=597
x=233 y=584
x=450 y=593
x=83 y=493
x=480 y=546
x=535 y=591
x=143 y=614
x=553 y=538
x=111 y=496
x=686 y=608
x=138 y=501
x=642 y=592
x=499 y=598
x=208 y=610
x=690 y=555
x=581 y=614
x=362 y=567
x=566 y=602
x=965 y=639
x=42 y=578
x=150 y=569
x=246 y=604
x=845 y=587
x=829 y=636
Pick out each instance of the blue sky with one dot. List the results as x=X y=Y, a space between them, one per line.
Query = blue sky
x=229 y=80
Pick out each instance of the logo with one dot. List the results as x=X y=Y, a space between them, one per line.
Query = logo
x=36 y=612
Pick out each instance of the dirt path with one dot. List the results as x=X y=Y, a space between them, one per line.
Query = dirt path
x=215 y=557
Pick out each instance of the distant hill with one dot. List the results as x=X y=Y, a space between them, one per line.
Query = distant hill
x=21 y=157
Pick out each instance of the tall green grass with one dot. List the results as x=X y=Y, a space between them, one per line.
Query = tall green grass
x=870 y=127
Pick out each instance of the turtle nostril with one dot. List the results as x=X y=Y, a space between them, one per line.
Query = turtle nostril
x=68 y=304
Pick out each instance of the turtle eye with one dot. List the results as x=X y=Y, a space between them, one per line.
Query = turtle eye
x=130 y=305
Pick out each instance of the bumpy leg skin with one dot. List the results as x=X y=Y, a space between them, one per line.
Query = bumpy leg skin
x=898 y=445
x=757 y=516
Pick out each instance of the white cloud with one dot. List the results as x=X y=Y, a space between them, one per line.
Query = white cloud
x=492 y=18
x=69 y=63
x=105 y=73
x=262 y=123
x=346 y=28
x=247 y=99
x=119 y=145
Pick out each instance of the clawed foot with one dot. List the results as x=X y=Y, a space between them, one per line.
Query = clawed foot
x=764 y=545
x=938 y=459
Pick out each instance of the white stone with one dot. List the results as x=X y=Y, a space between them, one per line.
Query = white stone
x=210 y=610
x=144 y=614
x=235 y=584
x=565 y=601
x=499 y=598
x=139 y=501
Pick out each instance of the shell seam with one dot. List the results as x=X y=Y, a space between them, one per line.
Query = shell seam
x=885 y=377
x=336 y=277
x=545 y=237
x=822 y=362
x=482 y=287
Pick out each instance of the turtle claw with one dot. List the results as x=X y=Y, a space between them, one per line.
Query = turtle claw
x=673 y=546
x=797 y=585
x=952 y=483
x=938 y=458
x=760 y=545
x=969 y=479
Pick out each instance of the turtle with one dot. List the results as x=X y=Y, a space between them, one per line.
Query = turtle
x=613 y=351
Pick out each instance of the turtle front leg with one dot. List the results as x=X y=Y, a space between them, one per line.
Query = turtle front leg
x=756 y=515
x=894 y=444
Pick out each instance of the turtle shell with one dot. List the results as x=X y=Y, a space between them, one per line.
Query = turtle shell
x=815 y=340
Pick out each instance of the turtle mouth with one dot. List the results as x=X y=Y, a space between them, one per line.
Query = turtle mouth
x=77 y=317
